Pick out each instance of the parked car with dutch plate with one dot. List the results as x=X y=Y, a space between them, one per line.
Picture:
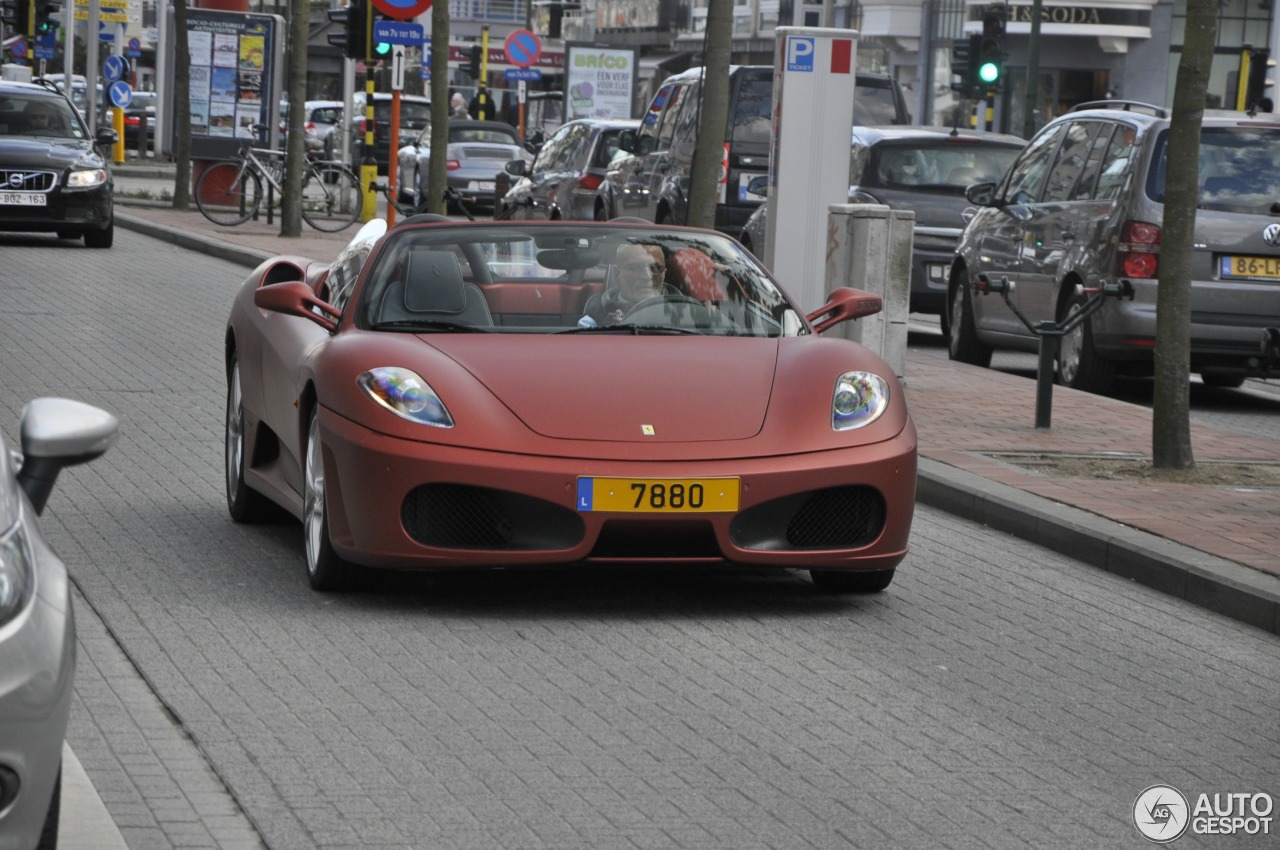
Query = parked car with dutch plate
x=563 y=179
x=1084 y=203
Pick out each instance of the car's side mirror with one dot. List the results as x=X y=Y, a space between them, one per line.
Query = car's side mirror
x=981 y=194
x=627 y=141
x=106 y=137
x=295 y=298
x=843 y=304
x=517 y=167
x=57 y=433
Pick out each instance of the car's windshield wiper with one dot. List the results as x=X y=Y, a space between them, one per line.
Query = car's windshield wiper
x=633 y=330
x=424 y=325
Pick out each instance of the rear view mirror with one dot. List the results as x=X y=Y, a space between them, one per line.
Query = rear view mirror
x=627 y=141
x=517 y=167
x=295 y=298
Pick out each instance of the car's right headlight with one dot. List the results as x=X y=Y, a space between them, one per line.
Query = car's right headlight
x=17 y=572
x=85 y=178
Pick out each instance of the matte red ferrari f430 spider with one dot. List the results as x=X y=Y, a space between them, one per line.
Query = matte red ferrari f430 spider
x=500 y=394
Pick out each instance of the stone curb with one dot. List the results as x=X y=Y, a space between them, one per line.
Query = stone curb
x=1217 y=584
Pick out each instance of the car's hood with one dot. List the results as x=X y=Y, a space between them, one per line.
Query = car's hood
x=634 y=382
x=55 y=155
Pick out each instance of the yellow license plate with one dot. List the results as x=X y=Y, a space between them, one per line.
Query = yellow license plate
x=1267 y=268
x=658 y=495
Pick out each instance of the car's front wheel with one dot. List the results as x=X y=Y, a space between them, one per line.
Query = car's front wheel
x=851 y=581
x=243 y=503
x=49 y=832
x=100 y=238
x=326 y=570
x=963 y=345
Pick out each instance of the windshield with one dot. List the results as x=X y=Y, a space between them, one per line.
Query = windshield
x=547 y=277
x=942 y=166
x=49 y=117
x=1237 y=169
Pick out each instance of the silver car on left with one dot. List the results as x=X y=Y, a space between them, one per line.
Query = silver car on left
x=37 y=626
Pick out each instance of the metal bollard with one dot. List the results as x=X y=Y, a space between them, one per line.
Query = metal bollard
x=1051 y=333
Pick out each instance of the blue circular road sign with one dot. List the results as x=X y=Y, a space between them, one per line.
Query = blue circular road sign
x=114 y=67
x=120 y=93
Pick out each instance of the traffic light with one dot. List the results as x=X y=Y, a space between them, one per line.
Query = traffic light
x=990 y=58
x=963 y=53
x=1255 y=90
x=473 y=66
x=17 y=15
x=48 y=13
x=354 y=38
x=378 y=49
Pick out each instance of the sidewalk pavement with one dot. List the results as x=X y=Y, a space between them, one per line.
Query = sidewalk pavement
x=1216 y=546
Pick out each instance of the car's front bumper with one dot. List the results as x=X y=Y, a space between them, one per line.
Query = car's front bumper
x=387 y=495
x=75 y=210
x=37 y=664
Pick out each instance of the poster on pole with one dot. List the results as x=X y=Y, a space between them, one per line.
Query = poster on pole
x=237 y=70
x=599 y=80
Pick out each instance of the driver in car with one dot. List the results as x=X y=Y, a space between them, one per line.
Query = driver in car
x=638 y=272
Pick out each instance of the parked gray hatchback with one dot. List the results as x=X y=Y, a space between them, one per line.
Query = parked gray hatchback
x=1084 y=203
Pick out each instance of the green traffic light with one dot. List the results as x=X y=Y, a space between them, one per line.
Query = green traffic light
x=382 y=48
x=988 y=72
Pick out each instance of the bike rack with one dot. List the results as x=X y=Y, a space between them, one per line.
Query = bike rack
x=1051 y=333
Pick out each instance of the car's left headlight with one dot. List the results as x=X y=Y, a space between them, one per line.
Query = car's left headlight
x=17 y=572
x=406 y=394
x=85 y=178
x=859 y=399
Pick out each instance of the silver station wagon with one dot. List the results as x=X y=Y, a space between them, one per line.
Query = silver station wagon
x=1084 y=203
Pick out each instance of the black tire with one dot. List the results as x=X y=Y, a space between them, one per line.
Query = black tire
x=1222 y=380
x=49 y=832
x=851 y=581
x=944 y=322
x=100 y=238
x=243 y=502
x=228 y=193
x=326 y=570
x=1079 y=366
x=963 y=344
x=331 y=199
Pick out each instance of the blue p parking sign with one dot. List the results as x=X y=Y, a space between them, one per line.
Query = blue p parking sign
x=800 y=52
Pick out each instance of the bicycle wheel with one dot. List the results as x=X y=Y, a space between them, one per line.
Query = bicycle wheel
x=228 y=192
x=331 y=197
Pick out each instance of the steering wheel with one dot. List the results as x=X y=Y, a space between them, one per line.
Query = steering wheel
x=657 y=310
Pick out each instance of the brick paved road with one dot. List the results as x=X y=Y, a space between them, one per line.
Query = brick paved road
x=997 y=696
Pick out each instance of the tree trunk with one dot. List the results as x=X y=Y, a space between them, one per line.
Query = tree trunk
x=436 y=172
x=1171 y=416
x=705 y=175
x=182 y=108
x=296 y=141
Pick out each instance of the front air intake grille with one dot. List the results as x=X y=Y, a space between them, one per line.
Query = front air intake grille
x=459 y=516
x=22 y=180
x=837 y=518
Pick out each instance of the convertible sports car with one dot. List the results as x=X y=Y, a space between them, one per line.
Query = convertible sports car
x=438 y=397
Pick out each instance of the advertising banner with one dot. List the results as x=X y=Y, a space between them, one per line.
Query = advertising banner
x=600 y=81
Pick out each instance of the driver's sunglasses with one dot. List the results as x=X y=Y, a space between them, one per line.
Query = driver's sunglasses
x=652 y=268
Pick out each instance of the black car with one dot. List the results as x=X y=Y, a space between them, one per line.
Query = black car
x=52 y=177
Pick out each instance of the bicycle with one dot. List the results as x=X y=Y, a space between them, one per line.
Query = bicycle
x=230 y=192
